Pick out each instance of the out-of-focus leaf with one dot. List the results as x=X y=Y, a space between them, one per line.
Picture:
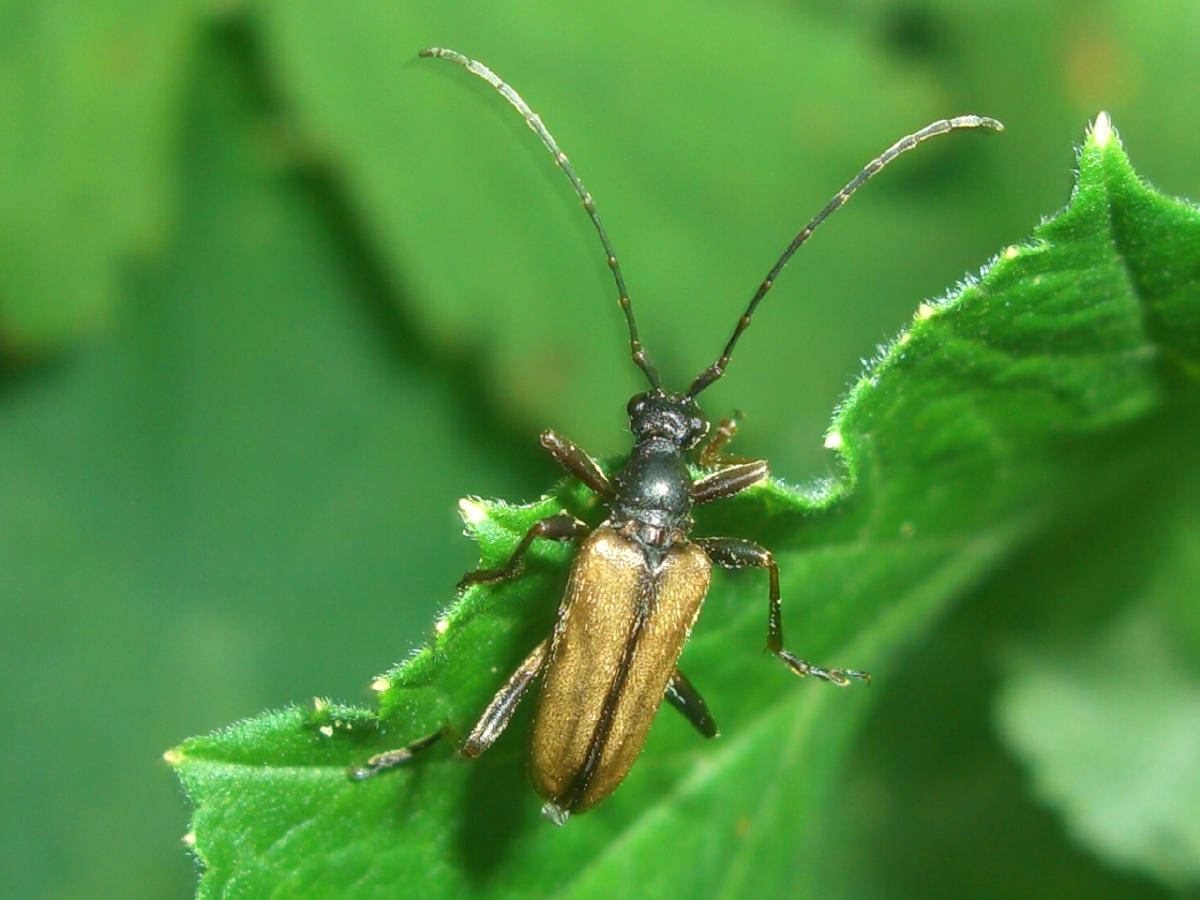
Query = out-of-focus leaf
x=1109 y=728
x=90 y=101
x=195 y=512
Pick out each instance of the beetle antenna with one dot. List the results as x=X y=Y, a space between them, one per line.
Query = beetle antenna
x=906 y=143
x=534 y=121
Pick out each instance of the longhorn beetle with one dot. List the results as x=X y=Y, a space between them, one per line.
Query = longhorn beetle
x=637 y=580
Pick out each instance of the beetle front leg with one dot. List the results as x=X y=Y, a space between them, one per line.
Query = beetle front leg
x=728 y=481
x=736 y=553
x=710 y=453
x=713 y=452
x=554 y=528
x=578 y=463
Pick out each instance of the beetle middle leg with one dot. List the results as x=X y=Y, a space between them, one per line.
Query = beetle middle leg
x=736 y=553
x=561 y=527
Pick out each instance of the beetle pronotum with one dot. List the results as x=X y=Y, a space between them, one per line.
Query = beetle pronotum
x=638 y=579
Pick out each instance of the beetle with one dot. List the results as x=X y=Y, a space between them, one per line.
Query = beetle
x=638 y=580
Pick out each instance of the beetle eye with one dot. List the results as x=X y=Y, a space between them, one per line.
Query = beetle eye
x=636 y=405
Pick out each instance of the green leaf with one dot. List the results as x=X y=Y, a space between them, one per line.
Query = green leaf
x=1022 y=400
x=89 y=103
x=1109 y=727
x=193 y=498
x=1123 y=693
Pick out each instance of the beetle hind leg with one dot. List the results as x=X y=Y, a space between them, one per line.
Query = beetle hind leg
x=500 y=711
x=735 y=553
x=390 y=759
x=489 y=727
x=685 y=698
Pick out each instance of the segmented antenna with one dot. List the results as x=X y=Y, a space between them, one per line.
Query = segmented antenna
x=906 y=143
x=534 y=121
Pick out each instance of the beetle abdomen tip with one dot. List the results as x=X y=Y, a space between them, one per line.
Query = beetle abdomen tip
x=555 y=813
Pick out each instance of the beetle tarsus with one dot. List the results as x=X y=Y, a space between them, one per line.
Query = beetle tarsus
x=390 y=759
x=488 y=576
x=803 y=668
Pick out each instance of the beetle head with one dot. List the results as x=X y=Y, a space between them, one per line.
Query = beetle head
x=665 y=414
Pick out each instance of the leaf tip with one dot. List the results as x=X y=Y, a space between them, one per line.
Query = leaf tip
x=472 y=511
x=173 y=757
x=1102 y=131
x=380 y=684
x=833 y=440
x=189 y=839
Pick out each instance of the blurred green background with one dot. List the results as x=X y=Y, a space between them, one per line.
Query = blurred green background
x=274 y=294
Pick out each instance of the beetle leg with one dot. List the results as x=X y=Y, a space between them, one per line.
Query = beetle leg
x=710 y=453
x=498 y=713
x=381 y=762
x=728 y=481
x=685 y=698
x=578 y=463
x=554 y=528
x=736 y=553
